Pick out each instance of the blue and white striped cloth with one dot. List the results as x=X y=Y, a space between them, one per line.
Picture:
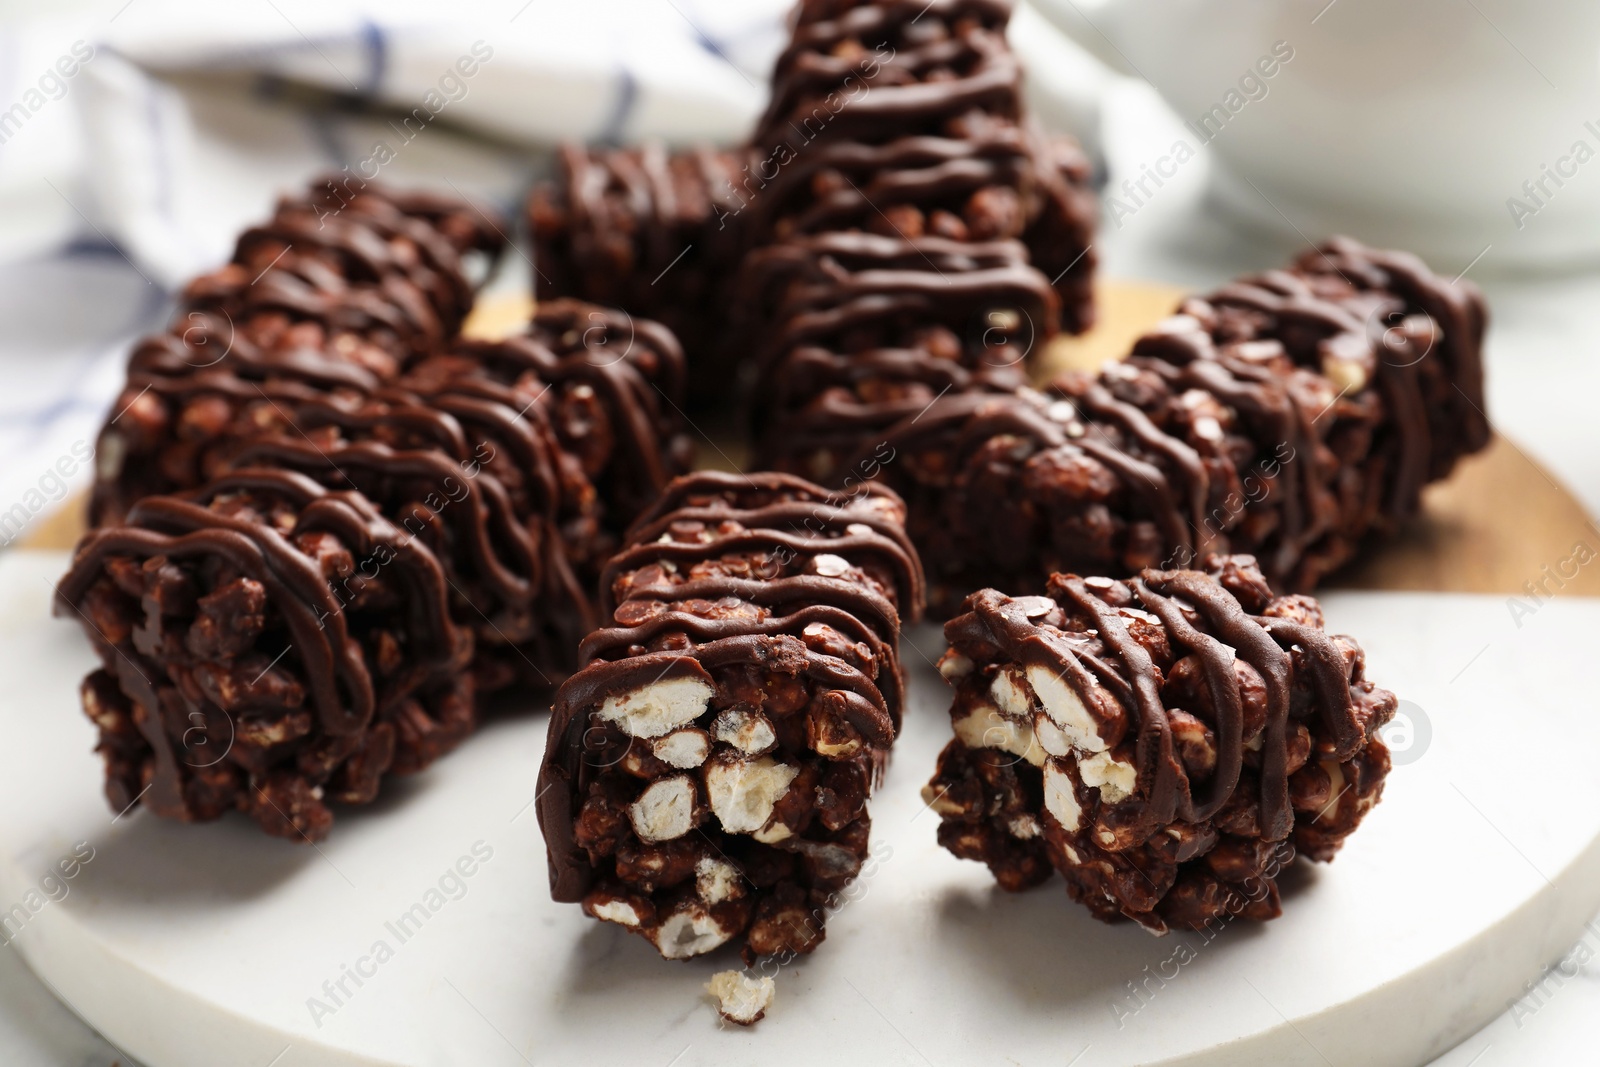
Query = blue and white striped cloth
x=137 y=137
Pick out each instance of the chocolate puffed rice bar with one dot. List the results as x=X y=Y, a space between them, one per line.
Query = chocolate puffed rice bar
x=243 y=668
x=344 y=574
x=337 y=293
x=1167 y=743
x=706 y=774
x=1290 y=414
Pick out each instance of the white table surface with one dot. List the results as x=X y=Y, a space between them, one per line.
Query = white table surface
x=65 y=329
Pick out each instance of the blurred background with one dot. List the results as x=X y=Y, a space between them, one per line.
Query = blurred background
x=137 y=137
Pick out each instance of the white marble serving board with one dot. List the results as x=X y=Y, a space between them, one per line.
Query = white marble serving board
x=203 y=945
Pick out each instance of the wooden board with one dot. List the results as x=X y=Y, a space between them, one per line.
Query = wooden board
x=1501 y=523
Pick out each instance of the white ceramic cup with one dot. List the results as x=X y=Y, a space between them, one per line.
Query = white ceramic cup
x=1445 y=126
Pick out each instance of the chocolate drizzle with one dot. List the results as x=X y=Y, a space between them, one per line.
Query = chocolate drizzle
x=850 y=292
x=889 y=47
x=366 y=261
